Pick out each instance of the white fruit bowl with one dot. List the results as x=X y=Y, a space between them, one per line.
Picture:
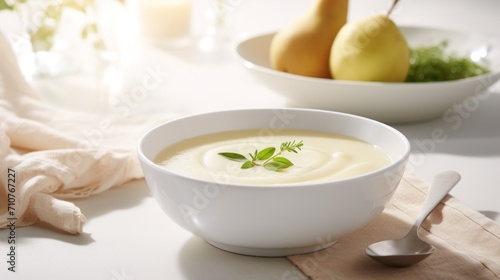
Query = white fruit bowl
x=386 y=102
x=273 y=220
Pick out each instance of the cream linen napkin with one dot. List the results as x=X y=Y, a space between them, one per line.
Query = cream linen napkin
x=55 y=155
x=468 y=243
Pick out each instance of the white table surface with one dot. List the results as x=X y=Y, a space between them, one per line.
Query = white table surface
x=128 y=237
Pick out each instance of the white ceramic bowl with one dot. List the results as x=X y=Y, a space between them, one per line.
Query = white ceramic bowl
x=273 y=220
x=386 y=102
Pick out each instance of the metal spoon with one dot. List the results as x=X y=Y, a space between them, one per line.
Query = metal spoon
x=411 y=249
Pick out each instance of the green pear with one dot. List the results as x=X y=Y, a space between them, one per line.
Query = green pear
x=370 y=49
x=303 y=47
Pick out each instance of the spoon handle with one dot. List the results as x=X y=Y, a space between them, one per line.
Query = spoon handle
x=440 y=187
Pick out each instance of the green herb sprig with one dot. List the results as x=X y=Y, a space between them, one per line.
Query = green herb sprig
x=268 y=158
x=432 y=63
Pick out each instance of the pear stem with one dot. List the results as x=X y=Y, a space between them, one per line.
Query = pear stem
x=392 y=7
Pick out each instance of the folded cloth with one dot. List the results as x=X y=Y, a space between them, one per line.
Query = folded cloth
x=49 y=155
x=467 y=242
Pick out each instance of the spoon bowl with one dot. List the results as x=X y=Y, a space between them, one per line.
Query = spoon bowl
x=400 y=252
x=410 y=249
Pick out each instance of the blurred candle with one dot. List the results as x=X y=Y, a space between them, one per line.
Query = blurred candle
x=165 y=21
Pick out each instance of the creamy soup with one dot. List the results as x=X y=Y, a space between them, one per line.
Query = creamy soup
x=323 y=157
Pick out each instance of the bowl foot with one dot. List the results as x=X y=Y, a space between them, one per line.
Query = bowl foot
x=270 y=252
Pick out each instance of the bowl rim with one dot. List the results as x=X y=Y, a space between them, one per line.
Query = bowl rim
x=397 y=162
x=251 y=65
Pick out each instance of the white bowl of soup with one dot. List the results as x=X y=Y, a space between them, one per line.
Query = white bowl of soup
x=303 y=178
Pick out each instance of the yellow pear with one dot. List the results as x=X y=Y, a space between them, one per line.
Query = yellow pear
x=370 y=49
x=303 y=47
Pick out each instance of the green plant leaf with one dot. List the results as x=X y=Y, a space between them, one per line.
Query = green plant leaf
x=291 y=146
x=275 y=166
x=283 y=160
x=254 y=156
x=266 y=153
x=233 y=156
x=247 y=164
